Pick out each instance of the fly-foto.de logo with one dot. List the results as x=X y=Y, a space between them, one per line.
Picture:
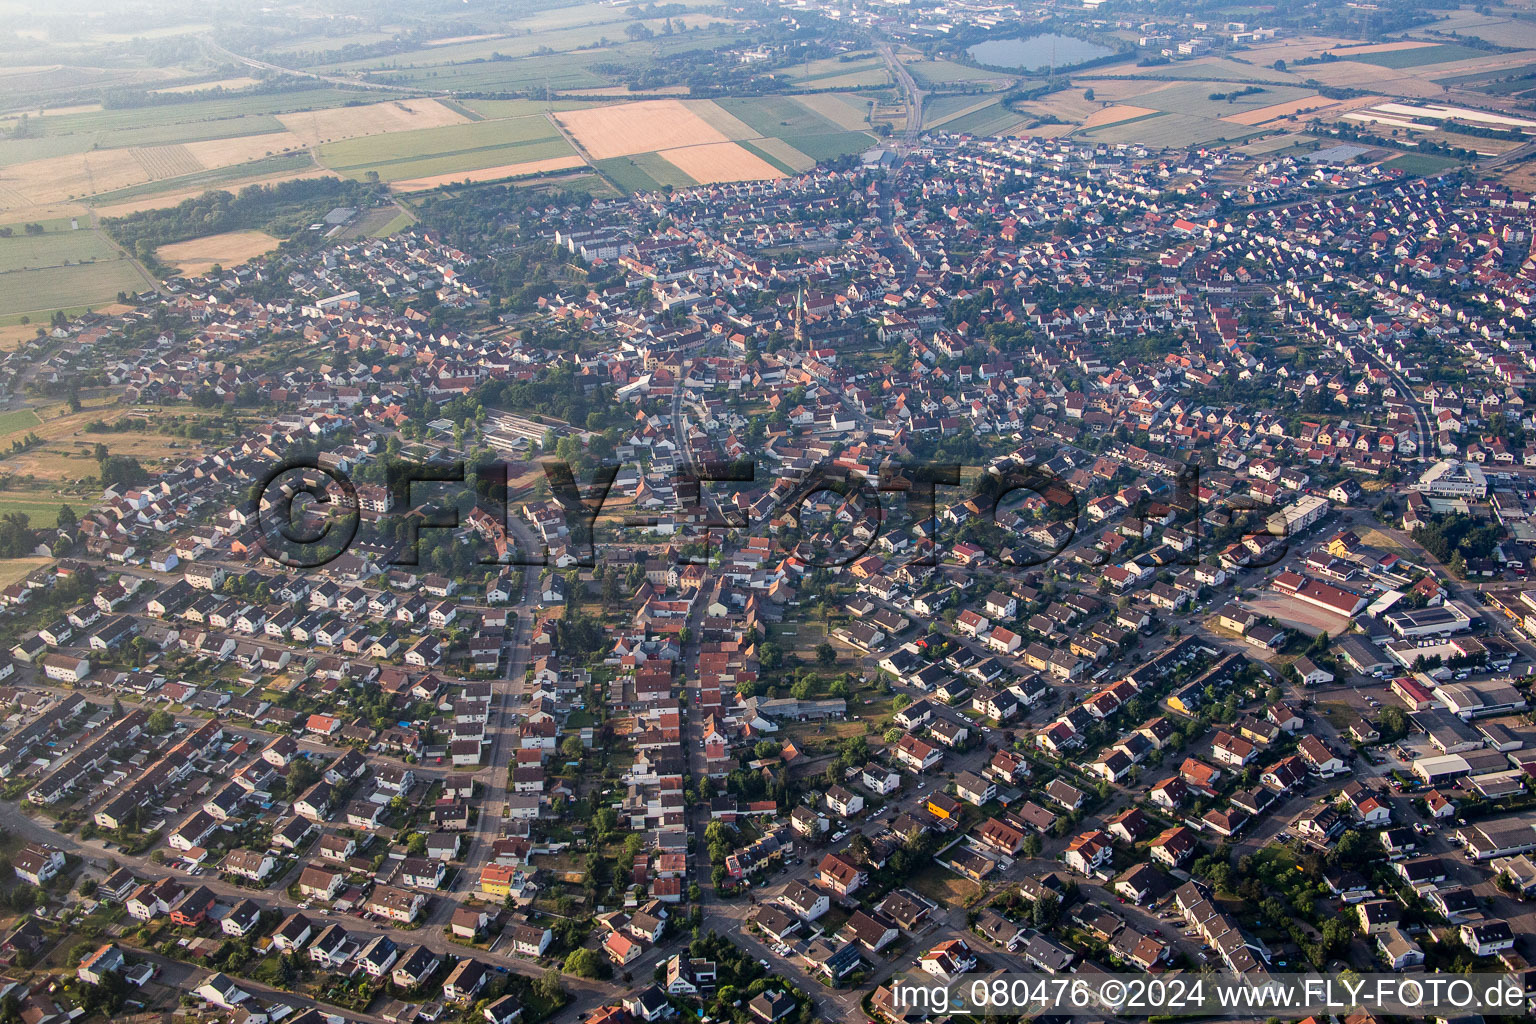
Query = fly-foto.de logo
x=307 y=514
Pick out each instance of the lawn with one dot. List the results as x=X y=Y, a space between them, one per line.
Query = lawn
x=943 y=886
x=1418 y=56
x=14 y=570
x=18 y=420
x=40 y=508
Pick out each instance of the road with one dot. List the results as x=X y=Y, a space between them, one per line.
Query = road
x=909 y=88
x=355 y=83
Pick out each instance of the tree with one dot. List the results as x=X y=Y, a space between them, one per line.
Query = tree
x=826 y=655
x=586 y=963
x=1088 y=95
x=1046 y=910
x=160 y=722
x=571 y=747
x=67 y=520
x=548 y=988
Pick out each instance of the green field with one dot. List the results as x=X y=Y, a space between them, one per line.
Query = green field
x=627 y=173
x=835 y=144
x=1195 y=98
x=1488 y=76
x=933 y=73
x=1418 y=56
x=558 y=71
x=777 y=116
x=832 y=67
x=140 y=119
x=428 y=152
x=780 y=117
x=1420 y=163
x=1214 y=69
x=662 y=171
x=1173 y=131
x=754 y=147
x=55 y=248
x=992 y=119
x=74 y=287
x=583 y=69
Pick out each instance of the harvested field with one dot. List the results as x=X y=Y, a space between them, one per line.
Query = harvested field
x=313 y=127
x=1278 y=110
x=230 y=249
x=1115 y=114
x=93 y=172
x=242 y=148
x=559 y=163
x=721 y=161
x=166 y=161
x=648 y=126
x=66 y=177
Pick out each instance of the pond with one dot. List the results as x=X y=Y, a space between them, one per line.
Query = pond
x=1037 y=53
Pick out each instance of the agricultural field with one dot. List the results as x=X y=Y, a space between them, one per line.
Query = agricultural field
x=645 y=127
x=229 y=249
x=314 y=127
x=1171 y=130
x=499 y=172
x=1195 y=98
x=447 y=151
x=732 y=139
x=73 y=288
x=934 y=74
x=56 y=247
x=1417 y=56
x=1502 y=27
x=720 y=161
x=992 y=119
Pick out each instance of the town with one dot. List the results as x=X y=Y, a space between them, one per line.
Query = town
x=1214 y=653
